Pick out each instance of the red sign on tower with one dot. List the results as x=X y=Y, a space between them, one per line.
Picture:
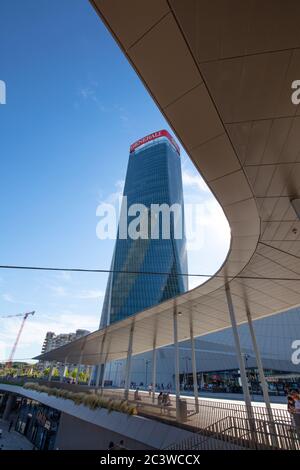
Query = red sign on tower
x=153 y=136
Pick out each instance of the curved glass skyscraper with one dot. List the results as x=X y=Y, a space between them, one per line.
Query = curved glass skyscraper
x=153 y=182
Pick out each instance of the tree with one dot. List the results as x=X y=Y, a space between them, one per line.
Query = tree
x=83 y=376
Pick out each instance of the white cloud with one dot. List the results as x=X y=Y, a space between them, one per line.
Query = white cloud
x=89 y=93
x=8 y=298
x=193 y=180
x=115 y=196
x=58 y=291
x=64 y=276
x=90 y=294
x=207 y=229
x=13 y=300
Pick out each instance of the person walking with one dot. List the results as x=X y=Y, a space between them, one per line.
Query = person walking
x=291 y=402
x=121 y=444
x=136 y=395
x=111 y=445
x=297 y=412
x=160 y=401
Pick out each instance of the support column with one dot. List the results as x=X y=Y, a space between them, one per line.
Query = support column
x=50 y=373
x=78 y=369
x=194 y=367
x=244 y=380
x=154 y=351
x=80 y=360
x=262 y=378
x=65 y=370
x=103 y=367
x=91 y=372
x=177 y=382
x=11 y=400
x=97 y=380
x=128 y=363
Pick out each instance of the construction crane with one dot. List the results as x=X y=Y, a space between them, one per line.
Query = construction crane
x=25 y=316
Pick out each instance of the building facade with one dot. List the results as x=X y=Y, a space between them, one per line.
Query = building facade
x=53 y=341
x=217 y=363
x=153 y=185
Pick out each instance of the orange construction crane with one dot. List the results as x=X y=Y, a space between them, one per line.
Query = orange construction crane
x=25 y=316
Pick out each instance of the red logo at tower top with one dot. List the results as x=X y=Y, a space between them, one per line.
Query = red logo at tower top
x=153 y=136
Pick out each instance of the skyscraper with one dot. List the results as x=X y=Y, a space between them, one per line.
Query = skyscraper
x=154 y=181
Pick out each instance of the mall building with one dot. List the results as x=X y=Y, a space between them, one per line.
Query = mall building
x=218 y=368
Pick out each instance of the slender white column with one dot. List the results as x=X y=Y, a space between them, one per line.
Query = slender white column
x=65 y=370
x=244 y=380
x=101 y=348
x=78 y=369
x=103 y=368
x=91 y=372
x=262 y=377
x=80 y=360
x=194 y=367
x=154 y=369
x=128 y=363
x=50 y=373
x=177 y=382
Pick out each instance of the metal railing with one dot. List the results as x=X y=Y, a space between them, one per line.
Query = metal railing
x=242 y=434
x=211 y=411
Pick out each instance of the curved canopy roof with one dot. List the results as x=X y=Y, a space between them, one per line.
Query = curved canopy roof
x=221 y=73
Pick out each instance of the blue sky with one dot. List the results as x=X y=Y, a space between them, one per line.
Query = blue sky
x=74 y=105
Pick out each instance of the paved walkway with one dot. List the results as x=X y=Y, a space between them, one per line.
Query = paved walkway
x=12 y=440
x=211 y=410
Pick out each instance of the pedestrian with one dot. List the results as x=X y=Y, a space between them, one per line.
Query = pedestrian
x=168 y=399
x=121 y=444
x=150 y=389
x=136 y=395
x=297 y=411
x=291 y=402
x=10 y=425
x=111 y=445
x=160 y=399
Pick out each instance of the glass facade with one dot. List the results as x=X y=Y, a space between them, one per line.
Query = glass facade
x=153 y=177
x=38 y=423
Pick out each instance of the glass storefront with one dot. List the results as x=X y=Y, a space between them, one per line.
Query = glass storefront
x=38 y=423
x=229 y=381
